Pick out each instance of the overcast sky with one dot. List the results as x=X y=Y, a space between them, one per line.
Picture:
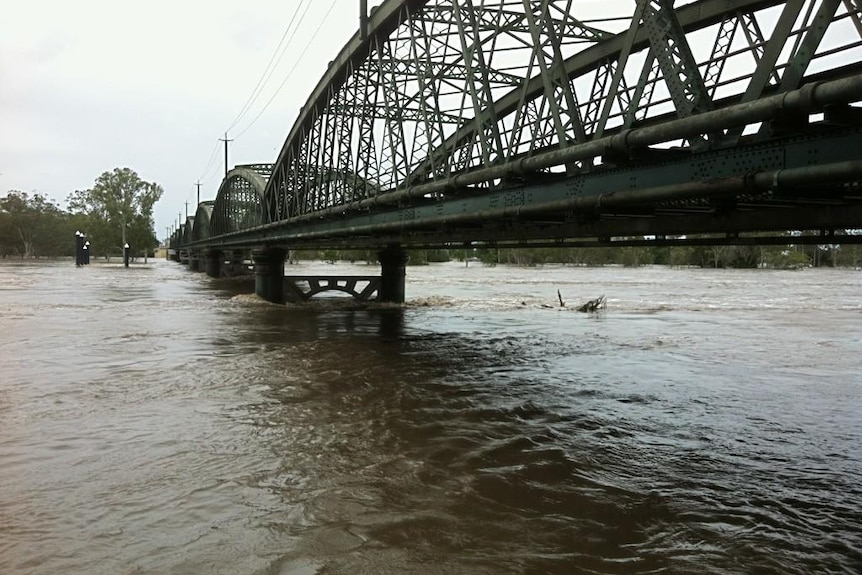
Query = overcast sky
x=90 y=85
x=87 y=86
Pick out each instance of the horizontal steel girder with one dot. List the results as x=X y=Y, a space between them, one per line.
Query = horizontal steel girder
x=441 y=113
x=801 y=183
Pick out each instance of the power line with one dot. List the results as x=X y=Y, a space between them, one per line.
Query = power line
x=210 y=162
x=290 y=73
x=265 y=76
x=270 y=67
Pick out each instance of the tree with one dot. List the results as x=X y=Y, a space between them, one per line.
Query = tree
x=120 y=206
x=32 y=226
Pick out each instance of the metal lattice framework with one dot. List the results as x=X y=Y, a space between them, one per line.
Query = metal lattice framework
x=239 y=204
x=441 y=88
x=188 y=230
x=516 y=121
x=203 y=216
x=176 y=240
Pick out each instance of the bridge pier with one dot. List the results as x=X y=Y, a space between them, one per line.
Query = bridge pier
x=233 y=263
x=212 y=262
x=392 y=260
x=269 y=274
x=195 y=261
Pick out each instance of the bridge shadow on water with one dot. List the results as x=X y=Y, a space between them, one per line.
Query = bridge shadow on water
x=333 y=314
x=396 y=444
x=400 y=446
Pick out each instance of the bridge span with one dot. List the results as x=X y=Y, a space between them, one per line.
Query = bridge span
x=447 y=123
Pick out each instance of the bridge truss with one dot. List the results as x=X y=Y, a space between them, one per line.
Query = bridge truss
x=513 y=121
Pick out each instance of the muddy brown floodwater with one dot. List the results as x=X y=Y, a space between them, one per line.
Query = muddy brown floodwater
x=155 y=421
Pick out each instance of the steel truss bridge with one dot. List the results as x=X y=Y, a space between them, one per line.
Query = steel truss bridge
x=559 y=122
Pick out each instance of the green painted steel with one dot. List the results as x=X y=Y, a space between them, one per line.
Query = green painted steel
x=673 y=187
x=240 y=203
x=203 y=217
x=457 y=121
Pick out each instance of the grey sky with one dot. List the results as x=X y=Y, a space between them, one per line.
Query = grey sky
x=91 y=85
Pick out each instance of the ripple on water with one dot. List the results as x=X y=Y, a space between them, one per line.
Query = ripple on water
x=159 y=422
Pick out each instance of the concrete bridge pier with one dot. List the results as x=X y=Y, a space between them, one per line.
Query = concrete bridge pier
x=235 y=264
x=269 y=274
x=392 y=260
x=212 y=262
x=195 y=260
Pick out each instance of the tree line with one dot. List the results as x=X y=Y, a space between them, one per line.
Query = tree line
x=789 y=256
x=118 y=209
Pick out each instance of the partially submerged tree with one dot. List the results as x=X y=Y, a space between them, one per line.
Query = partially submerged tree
x=120 y=206
x=31 y=226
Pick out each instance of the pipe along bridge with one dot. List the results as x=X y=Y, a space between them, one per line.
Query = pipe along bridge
x=451 y=123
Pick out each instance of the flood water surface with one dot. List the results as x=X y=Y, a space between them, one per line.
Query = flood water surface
x=153 y=420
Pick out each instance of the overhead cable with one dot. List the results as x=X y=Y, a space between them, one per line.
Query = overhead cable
x=210 y=163
x=273 y=63
x=290 y=72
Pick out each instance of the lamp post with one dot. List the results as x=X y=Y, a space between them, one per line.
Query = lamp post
x=87 y=253
x=126 y=255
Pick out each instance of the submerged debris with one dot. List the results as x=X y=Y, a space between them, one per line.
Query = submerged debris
x=594 y=304
x=591 y=306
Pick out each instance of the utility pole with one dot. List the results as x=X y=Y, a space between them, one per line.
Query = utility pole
x=225 y=140
x=198 y=184
x=187 y=210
